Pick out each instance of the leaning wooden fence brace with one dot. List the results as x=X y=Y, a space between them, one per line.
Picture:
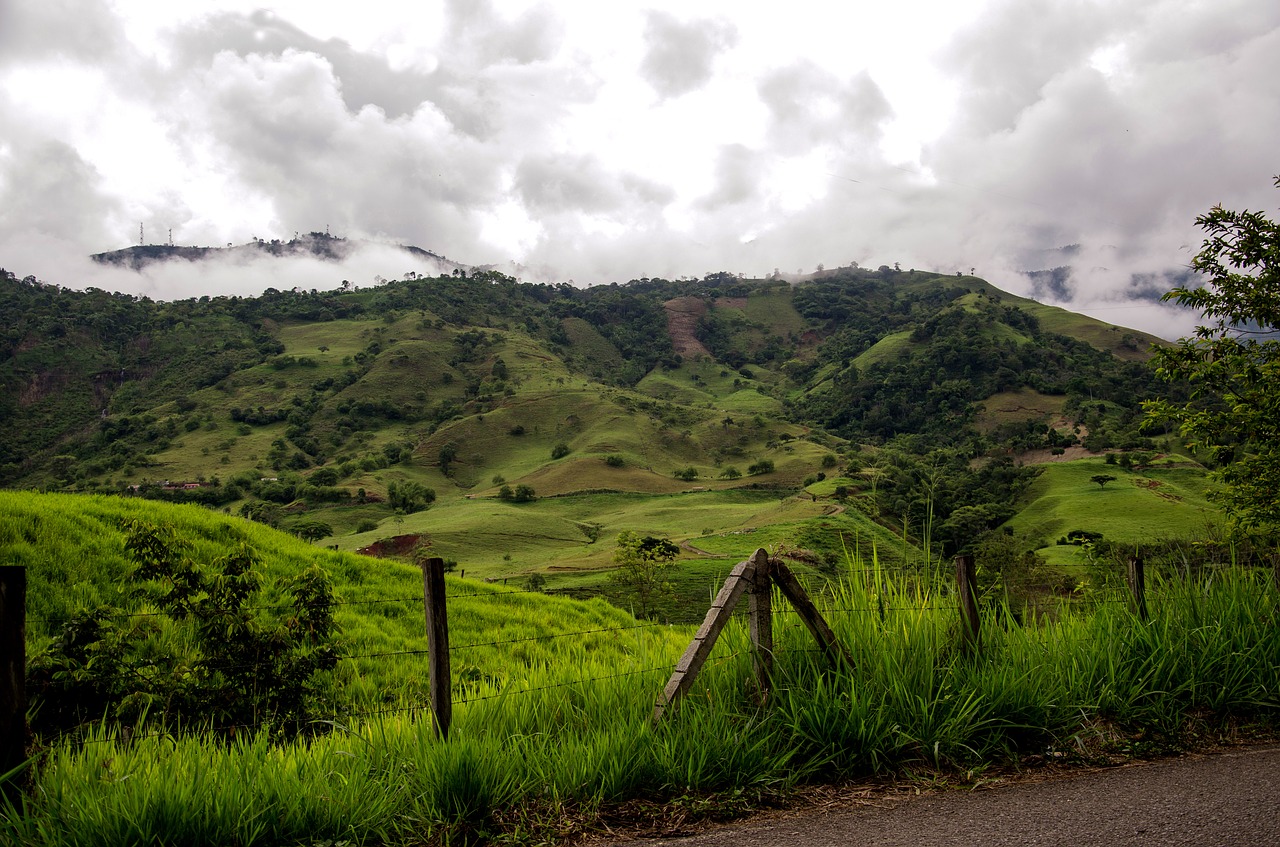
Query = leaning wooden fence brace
x=813 y=620
x=758 y=574
x=695 y=655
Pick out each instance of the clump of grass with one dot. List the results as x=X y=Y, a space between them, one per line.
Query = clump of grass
x=570 y=729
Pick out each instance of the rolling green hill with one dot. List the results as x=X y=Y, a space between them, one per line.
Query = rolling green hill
x=72 y=546
x=674 y=408
x=1162 y=501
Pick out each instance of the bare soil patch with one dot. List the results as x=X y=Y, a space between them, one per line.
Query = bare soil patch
x=683 y=314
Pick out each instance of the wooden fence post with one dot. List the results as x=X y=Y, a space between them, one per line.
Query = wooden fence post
x=13 y=675
x=760 y=607
x=1138 y=587
x=967 y=583
x=809 y=615
x=437 y=644
x=695 y=655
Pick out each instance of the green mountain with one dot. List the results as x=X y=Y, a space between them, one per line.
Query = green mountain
x=511 y=425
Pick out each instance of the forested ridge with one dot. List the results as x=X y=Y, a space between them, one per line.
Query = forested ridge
x=95 y=385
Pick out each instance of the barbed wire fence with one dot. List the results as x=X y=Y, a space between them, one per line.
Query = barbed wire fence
x=757 y=578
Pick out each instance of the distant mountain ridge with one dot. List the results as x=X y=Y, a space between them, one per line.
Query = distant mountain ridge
x=304 y=404
x=320 y=245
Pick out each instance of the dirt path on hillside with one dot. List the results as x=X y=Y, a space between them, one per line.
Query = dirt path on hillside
x=1224 y=798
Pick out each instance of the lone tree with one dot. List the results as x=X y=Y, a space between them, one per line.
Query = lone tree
x=1102 y=479
x=205 y=657
x=1232 y=365
x=643 y=563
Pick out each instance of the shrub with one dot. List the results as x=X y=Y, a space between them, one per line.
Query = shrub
x=325 y=476
x=409 y=497
x=560 y=451
x=226 y=666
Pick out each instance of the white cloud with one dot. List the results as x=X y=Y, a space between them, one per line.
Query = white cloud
x=604 y=142
x=679 y=55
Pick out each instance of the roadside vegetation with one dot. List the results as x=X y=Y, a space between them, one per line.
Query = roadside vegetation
x=553 y=734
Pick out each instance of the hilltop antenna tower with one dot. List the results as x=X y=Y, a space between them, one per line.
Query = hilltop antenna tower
x=140 y=241
x=170 y=236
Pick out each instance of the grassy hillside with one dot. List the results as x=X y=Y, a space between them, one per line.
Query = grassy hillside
x=1162 y=501
x=73 y=549
x=308 y=410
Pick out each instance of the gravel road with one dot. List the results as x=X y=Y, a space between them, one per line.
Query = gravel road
x=1223 y=798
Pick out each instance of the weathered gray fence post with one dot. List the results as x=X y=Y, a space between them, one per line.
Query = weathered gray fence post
x=1138 y=587
x=13 y=675
x=760 y=607
x=695 y=655
x=967 y=583
x=437 y=644
x=758 y=575
x=810 y=616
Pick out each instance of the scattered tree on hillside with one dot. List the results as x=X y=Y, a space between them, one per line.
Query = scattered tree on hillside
x=257 y=510
x=409 y=497
x=447 y=454
x=1102 y=479
x=325 y=476
x=1232 y=365
x=643 y=563
x=312 y=530
x=222 y=665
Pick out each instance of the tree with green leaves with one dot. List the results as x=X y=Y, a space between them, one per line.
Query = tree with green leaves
x=1102 y=479
x=219 y=660
x=1231 y=365
x=410 y=497
x=643 y=563
x=312 y=530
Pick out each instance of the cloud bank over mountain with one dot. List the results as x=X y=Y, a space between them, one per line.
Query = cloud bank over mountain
x=603 y=144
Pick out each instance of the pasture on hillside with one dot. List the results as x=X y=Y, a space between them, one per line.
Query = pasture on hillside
x=1158 y=502
x=553 y=699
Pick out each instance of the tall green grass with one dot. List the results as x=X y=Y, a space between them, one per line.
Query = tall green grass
x=569 y=731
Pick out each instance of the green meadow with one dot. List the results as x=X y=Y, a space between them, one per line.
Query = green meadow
x=552 y=730
x=1158 y=502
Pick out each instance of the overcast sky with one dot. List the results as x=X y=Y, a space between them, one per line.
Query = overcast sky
x=604 y=141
